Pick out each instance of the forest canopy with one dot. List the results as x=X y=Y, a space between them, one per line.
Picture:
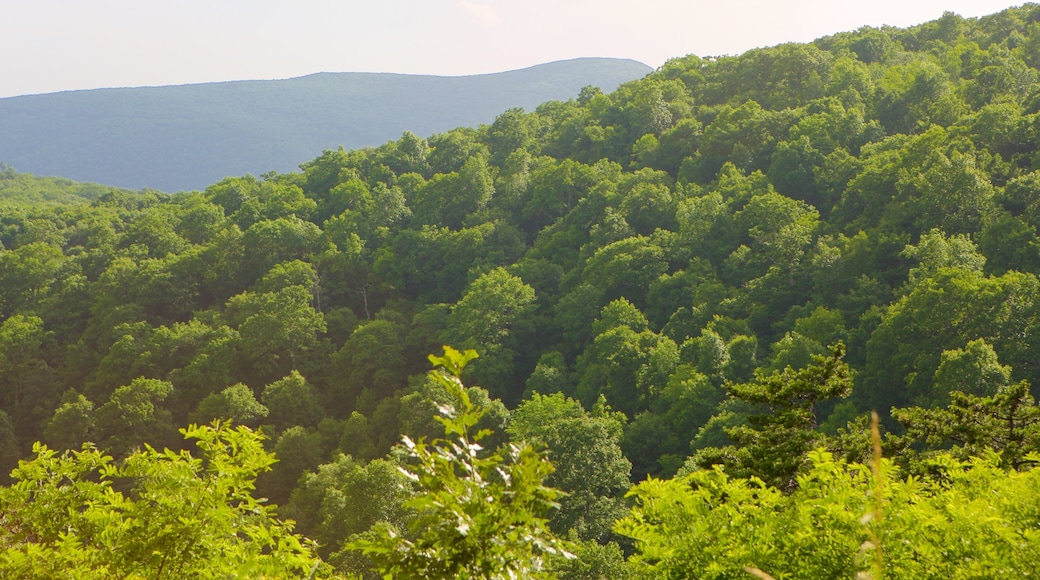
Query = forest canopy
x=686 y=296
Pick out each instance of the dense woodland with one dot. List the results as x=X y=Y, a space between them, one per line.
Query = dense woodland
x=685 y=297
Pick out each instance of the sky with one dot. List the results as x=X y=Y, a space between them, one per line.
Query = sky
x=57 y=45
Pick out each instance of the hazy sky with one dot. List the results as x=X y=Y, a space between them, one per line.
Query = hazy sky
x=54 y=45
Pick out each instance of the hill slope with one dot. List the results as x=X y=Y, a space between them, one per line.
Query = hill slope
x=188 y=136
x=29 y=191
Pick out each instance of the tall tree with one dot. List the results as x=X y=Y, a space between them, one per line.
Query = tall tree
x=773 y=446
x=585 y=450
x=477 y=515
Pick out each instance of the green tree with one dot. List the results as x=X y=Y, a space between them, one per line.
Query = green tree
x=741 y=135
x=27 y=274
x=773 y=446
x=842 y=520
x=447 y=199
x=420 y=409
x=292 y=401
x=345 y=498
x=628 y=367
x=950 y=193
x=134 y=415
x=22 y=368
x=549 y=376
x=794 y=350
x=626 y=268
x=278 y=331
x=448 y=151
x=935 y=250
x=298 y=450
x=154 y=232
x=658 y=441
x=10 y=451
x=584 y=448
x=974 y=370
x=493 y=311
x=555 y=189
x=72 y=423
x=593 y=561
x=66 y=517
x=945 y=312
x=477 y=515
x=270 y=242
x=372 y=359
x=198 y=219
x=236 y=403
x=1006 y=422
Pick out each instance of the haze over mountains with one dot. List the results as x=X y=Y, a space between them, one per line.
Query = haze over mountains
x=189 y=136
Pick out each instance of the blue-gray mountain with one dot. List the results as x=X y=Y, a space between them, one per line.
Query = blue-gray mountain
x=189 y=136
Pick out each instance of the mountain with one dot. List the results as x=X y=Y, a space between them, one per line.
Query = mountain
x=189 y=136
x=718 y=272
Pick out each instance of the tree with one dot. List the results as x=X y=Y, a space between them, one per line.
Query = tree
x=1006 y=422
x=574 y=313
x=773 y=259
x=292 y=401
x=345 y=498
x=270 y=242
x=872 y=45
x=915 y=95
x=974 y=370
x=650 y=206
x=72 y=423
x=773 y=446
x=739 y=135
x=593 y=561
x=585 y=450
x=154 y=232
x=297 y=451
x=184 y=516
x=945 y=312
x=135 y=415
x=447 y=199
x=554 y=190
x=935 y=250
x=791 y=171
x=451 y=149
x=22 y=369
x=549 y=376
x=26 y=275
x=372 y=359
x=10 y=451
x=198 y=219
x=493 y=311
x=658 y=441
x=951 y=193
x=477 y=515
x=236 y=403
x=629 y=368
x=794 y=350
x=419 y=410
x=842 y=520
x=626 y=268
x=277 y=330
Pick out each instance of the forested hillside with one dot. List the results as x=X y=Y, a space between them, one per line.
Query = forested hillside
x=709 y=277
x=186 y=137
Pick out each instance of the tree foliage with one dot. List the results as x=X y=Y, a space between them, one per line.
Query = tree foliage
x=476 y=515
x=682 y=250
x=65 y=515
x=843 y=520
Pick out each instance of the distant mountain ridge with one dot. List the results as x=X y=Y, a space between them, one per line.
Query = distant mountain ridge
x=186 y=137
